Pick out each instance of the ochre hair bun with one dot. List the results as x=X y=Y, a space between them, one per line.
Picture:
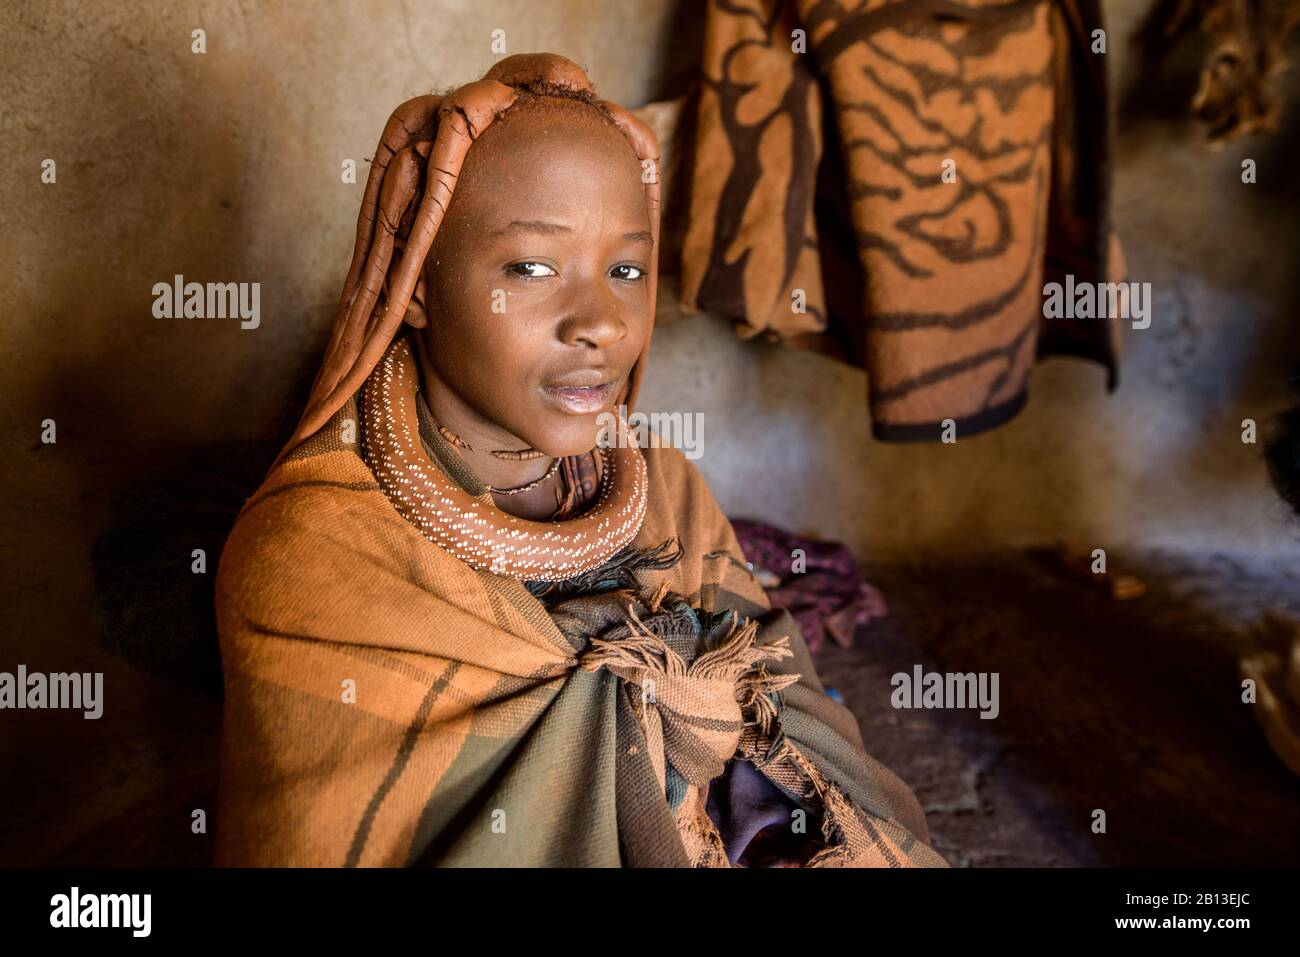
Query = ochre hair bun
x=524 y=68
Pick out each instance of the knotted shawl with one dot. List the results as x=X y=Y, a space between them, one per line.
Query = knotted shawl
x=387 y=704
x=813 y=208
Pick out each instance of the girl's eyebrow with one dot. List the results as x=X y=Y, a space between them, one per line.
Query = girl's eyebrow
x=552 y=229
x=532 y=226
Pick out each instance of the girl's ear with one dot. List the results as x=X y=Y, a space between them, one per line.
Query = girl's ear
x=417 y=316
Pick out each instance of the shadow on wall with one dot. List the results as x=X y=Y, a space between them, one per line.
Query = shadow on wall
x=1262 y=345
x=126 y=407
x=165 y=498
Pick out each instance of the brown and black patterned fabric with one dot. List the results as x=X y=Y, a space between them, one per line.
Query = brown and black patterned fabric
x=812 y=208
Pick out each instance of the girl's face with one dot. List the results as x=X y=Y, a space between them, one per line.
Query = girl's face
x=537 y=283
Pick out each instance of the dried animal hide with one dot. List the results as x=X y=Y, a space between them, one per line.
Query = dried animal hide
x=1237 y=94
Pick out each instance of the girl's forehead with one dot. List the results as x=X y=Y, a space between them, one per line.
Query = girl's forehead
x=555 y=168
x=548 y=138
x=546 y=145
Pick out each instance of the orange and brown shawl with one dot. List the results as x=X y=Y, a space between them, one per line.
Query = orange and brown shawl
x=387 y=704
x=811 y=205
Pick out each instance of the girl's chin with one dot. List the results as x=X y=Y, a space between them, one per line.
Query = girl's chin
x=576 y=439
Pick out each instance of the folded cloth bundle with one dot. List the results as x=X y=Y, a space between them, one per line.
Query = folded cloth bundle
x=825 y=593
x=893 y=182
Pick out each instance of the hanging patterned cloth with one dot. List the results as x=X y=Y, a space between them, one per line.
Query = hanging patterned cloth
x=893 y=182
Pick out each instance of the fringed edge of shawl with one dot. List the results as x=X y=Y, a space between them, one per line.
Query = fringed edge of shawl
x=850 y=840
x=733 y=653
x=640 y=650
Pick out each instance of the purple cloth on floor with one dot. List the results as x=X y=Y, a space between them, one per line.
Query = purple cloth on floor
x=742 y=802
x=828 y=597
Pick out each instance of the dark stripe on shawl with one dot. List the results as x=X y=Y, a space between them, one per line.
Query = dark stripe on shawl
x=399 y=763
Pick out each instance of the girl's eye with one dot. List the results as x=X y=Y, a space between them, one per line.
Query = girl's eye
x=531 y=270
x=628 y=272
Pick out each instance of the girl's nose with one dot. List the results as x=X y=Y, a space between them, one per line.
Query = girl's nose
x=593 y=318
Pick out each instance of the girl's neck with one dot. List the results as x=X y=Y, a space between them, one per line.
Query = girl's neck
x=482 y=437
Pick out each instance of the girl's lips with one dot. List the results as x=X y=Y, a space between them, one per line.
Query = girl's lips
x=581 y=400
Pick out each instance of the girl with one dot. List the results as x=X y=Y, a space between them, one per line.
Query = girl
x=454 y=631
